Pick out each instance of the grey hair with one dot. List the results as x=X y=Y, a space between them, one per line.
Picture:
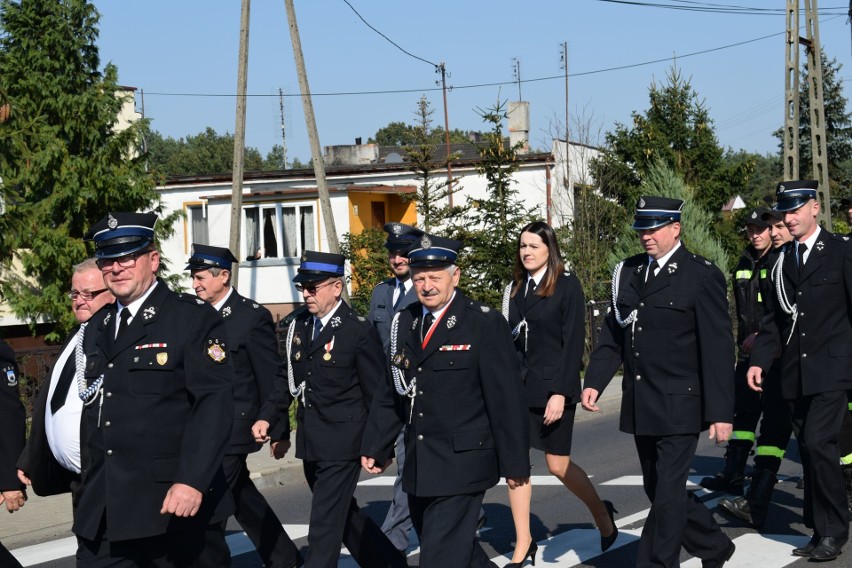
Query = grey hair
x=86 y=265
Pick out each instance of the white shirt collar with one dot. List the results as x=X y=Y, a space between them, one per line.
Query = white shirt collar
x=135 y=304
x=221 y=302
x=810 y=241
x=537 y=276
x=438 y=313
x=324 y=320
x=661 y=262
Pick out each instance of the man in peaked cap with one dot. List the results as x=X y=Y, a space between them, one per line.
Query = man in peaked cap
x=669 y=327
x=749 y=308
x=158 y=383
x=257 y=367
x=335 y=363
x=389 y=297
x=457 y=378
x=808 y=321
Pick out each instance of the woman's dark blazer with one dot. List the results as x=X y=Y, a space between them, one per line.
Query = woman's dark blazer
x=554 y=346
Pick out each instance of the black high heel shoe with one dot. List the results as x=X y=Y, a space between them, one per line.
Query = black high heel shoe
x=530 y=554
x=607 y=541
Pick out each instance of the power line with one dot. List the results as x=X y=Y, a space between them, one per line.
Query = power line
x=389 y=40
x=713 y=8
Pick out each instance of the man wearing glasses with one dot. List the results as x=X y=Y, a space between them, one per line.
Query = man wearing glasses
x=257 y=366
x=51 y=461
x=158 y=382
x=335 y=363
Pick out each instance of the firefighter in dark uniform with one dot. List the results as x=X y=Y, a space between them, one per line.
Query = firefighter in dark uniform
x=13 y=419
x=669 y=327
x=775 y=426
x=158 y=383
x=749 y=307
x=335 y=363
x=257 y=366
x=453 y=362
x=809 y=322
x=389 y=297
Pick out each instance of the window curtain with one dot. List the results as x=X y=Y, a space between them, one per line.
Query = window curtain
x=291 y=243
x=307 y=228
x=251 y=234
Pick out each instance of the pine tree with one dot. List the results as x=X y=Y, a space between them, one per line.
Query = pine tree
x=62 y=165
x=491 y=228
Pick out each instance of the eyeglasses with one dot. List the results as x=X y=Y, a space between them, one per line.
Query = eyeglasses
x=126 y=261
x=311 y=289
x=87 y=295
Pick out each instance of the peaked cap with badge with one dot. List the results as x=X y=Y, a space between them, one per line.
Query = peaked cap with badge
x=316 y=266
x=759 y=217
x=401 y=237
x=432 y=251
x=205 y=256
x=653 y=212
x=790 y=195
x=119 y=234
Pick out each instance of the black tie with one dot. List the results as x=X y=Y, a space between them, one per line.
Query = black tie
x=428 y=320
x=124 y=322
x=400 y=293
x=66 y=376
x=801 y=255
x=317 y=329
x=530 y=292
x=652 y=269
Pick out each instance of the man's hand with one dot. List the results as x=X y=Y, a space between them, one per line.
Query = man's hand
x=755 y=378
x=14 y=499
x=721 y=431
x=23 y=478
x=181 y=501
x=555 y=408
x=278 y=448
x=515 y=482
x=590 y=397
x=369 y=465
x=260 y=431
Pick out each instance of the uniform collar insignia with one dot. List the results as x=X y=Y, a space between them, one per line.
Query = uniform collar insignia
x=107 y=318
x=671 y=267
x=414 y=324
x=335 y=322
x=226 y=311
x=820 y=245
x=451 y=322
x=149 y=312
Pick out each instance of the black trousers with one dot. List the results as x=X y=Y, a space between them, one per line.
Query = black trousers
x=677 y=518
x=185 y=549
x=446 y=527
x=335 y=518
x=7 y=560
x=747 y=405
x=775 y=426
x=817 y=420
x=257 y=518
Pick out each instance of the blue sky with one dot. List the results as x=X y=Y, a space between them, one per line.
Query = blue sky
x=167 y=48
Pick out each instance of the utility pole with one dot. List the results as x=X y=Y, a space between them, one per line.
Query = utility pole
x=564 y=58
x=516 y=73
x=442 y=69
x=239 y=142
x=313 y=136
x=283 y=131
x=819 y=147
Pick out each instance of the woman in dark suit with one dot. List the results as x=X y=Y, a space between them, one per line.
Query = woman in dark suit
x=545 y=309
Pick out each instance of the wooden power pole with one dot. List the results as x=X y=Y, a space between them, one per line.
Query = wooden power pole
x=819 y=147
x=239 y=142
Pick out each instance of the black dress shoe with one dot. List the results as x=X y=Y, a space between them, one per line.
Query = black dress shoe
x=808 y=548
x=720 y=561
x=828 y=549
x=608 y=541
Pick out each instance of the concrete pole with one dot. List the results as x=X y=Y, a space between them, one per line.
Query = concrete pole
x=239 y=142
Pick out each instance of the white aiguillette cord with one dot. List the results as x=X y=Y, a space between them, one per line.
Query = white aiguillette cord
x=399 y=383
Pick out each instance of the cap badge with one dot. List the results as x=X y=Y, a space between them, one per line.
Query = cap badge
x=304 y=256
x=641 y=202
x=396 y=228
x=451 y=322
x=754 y=215
x=782 y=188
x=112 y=222
x=426 y=242
x=226 y=311
x=11 y=379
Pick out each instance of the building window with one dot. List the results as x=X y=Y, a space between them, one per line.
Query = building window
x=198 y=225
x=278 y=230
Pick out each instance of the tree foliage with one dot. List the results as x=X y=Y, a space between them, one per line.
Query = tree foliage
x=401 y=134
x=204 y=153
x=490 y=228
x=62 y=164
